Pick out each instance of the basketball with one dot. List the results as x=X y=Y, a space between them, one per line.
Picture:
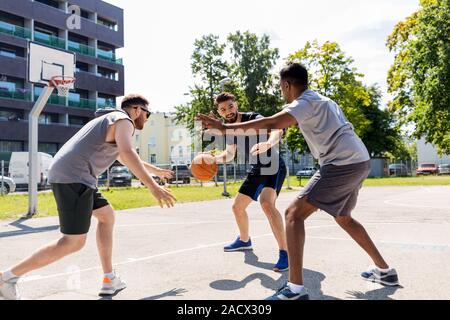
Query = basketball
x=204 y=167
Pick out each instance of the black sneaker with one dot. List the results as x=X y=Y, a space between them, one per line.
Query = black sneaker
x=374 y=274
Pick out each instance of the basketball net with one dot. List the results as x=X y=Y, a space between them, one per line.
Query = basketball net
x=63 y=84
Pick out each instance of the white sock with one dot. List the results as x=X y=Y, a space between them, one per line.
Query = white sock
x=111 y=275
x=295 y=288
x=8 y=275
x=384 y=270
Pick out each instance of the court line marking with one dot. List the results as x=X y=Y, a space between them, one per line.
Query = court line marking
x=133 y=260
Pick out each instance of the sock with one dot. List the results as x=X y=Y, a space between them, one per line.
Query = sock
x=8 y=275
x=111 y=275
x=295 y=288
x=384 y=270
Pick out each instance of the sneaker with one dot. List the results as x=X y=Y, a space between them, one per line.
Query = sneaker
x=112 y=286
x=374 y=274
x=285 y=293
x=282 y=264
x=238 y=245
x=8 y=289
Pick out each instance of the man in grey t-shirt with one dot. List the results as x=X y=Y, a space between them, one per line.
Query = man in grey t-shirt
x=73 y=174
x=345 y=164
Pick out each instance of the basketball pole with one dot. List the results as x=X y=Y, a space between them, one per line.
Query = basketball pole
x=33 y=126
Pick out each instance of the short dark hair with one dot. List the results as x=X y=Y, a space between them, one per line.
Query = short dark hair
x=224 y=96
x=295 y=73
x=133 y=100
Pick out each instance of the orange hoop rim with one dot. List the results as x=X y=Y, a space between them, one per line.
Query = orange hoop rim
x=61 y=80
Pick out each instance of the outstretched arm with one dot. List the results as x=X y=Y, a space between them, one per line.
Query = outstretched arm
x=281 y=120
x=123 y=132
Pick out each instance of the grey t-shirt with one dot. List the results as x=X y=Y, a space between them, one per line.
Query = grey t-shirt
x=86 y=155
x=329 y=135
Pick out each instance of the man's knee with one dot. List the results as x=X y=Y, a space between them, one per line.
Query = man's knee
x=105 y=215
x=344 y=221
x=74 y=244
x=238 y=207
x=299 y=210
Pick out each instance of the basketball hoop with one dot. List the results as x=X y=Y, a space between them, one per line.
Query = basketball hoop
x=63 y=84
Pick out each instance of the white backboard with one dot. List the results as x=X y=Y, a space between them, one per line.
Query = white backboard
x=45 y=62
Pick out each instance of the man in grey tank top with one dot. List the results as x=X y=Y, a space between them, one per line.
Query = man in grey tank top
x=73 y=176
x=345 y=164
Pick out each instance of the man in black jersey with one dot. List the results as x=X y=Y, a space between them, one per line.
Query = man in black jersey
x=263 y=182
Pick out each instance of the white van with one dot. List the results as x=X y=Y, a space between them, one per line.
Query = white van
x=18 y=169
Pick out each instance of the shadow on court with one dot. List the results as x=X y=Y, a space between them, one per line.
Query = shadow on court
x=312 y=278
x=23 y=229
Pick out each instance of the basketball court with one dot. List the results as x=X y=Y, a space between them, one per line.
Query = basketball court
x=177 y=253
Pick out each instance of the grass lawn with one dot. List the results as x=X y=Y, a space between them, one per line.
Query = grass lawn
x=14 y=206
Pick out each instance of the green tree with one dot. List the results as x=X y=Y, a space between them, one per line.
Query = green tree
x=253 y=61
x=383 y=137
x=332 y=74
x=419 y=78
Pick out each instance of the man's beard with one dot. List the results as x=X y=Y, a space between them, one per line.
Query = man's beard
x=139 y=123
x=232 y=120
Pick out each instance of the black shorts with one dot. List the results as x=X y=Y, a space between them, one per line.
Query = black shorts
x=75 y=202
x=256 y=182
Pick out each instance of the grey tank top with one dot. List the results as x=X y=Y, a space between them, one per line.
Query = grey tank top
x=86 y=155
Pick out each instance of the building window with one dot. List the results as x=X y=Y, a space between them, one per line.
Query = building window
x=107 y=73
x=152 y=158
x=11 y=146
x=77 y=121
x=48 y=118
x=10 y=114
x=137 y=138
x=180 y=151
x=51 y=3
x=50 y=148
x=107 y=23
x=152 y=142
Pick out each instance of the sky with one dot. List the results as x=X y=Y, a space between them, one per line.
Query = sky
x=159 y=36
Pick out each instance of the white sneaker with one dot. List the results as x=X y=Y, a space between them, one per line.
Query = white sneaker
x=112 y=286
x=8 y=289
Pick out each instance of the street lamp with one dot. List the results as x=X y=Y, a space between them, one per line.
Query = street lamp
x=225 y=193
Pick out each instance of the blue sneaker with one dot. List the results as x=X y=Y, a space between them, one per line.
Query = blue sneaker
x=238 y=245
x=285 y=293
x=374 y=274
x=282 y=264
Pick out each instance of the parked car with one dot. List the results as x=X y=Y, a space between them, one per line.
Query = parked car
x=444 y=169
x=306 y=172
x=102 y=179
x=8 y=185
x=184 y=174
x=427 y=168
x=18 y=169
x=120 y=176
x=158 y=180
x=398 y=169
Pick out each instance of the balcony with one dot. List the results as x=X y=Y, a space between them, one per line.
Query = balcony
x=49 y=40
x=54 y=99
x=15 y=31
x=83 y=104
x=19 y=94
x=105 y=104
x=109 y=56
x=81 y=48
